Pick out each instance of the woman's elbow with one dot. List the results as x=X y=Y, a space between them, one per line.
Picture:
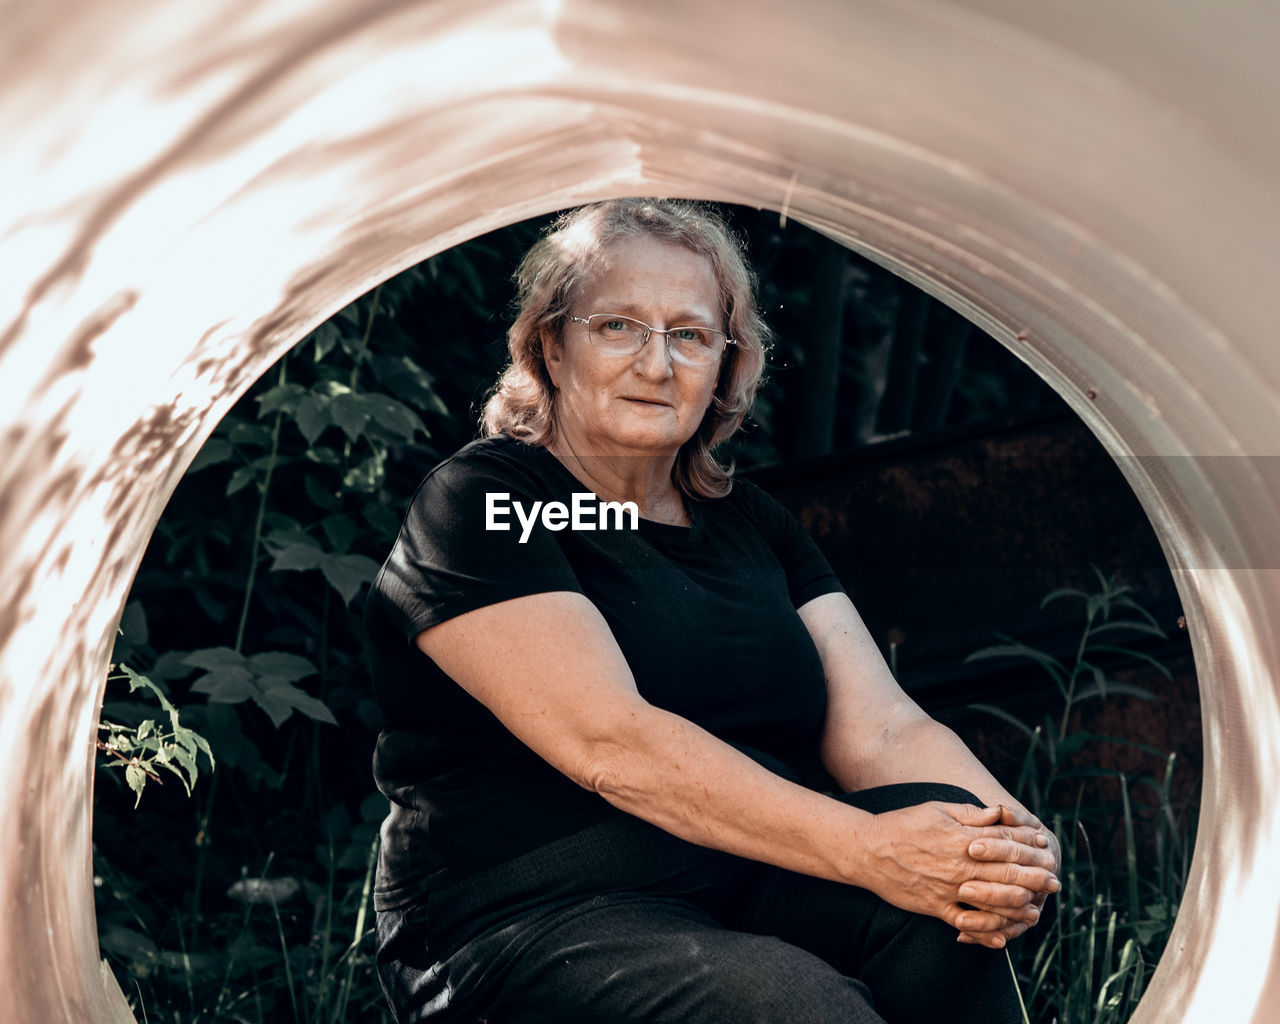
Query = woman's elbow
x=619 y=765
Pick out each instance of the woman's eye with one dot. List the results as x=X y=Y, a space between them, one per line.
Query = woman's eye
x=687 y=334
x=616 y=325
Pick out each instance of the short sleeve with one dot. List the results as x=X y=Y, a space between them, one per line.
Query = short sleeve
x=807 y=571
x=461 y=546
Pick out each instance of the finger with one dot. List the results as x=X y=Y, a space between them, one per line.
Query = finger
x=1011 y=901
x=1014 y=816
x=992 y=940
x=968 y=814
x=1021 y=834
x=1012 y=851
x=980 y=922
x=1033 y=879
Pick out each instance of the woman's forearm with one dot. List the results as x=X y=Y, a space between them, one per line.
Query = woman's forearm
x=668 y=771
x=918 y=749
x=678 y=777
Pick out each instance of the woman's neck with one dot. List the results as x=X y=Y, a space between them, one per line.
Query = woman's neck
x=646 y=480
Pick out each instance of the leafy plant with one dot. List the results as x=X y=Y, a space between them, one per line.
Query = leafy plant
x=243 y=612
x=1109 y=924
x=146 y=749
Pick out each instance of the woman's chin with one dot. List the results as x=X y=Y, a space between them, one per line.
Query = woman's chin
x=641 y=443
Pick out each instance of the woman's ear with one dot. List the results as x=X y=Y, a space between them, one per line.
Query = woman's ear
x=551 y=354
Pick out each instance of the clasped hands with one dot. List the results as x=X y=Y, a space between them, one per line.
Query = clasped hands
x=985 y=871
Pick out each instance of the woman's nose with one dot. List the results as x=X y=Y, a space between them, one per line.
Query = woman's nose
x=654 y=357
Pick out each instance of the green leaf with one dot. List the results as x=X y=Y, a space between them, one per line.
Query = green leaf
x=1053 y=595
x=215 y=451
x=281 y=666
x=187 y=763
x=250 y=435
x=137 y=780
x=1015 y=650
x=288 y=696
x=127 y=943
x=1072 y=744
x=281 y=398
x=298 y=557
x=170 y=665
x=287 y=533
x=321 y=495
x=141 y=682
x=323 y=455
x=241 y=479
x=312 y=416
x=1099 y=677
x=366 y=477
x=276 y=705
x=203 y=746
x=225 y=731
x=331 y=387
x=133 y=623
x=1005 y=716
x=227 y=686
x=1127 y=602
x=349 y=412
x=391 y=415
x=341 y=531
x=409 y=381
x=1139 y=655
x=211 y=658
x=1130 y=624
x=382 y=519
x=1112 y=688
x=347 y=573
x=325 y=337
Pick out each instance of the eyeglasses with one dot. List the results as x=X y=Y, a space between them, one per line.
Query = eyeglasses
x=617 y=335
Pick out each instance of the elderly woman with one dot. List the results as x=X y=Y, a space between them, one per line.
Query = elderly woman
x=618 y=687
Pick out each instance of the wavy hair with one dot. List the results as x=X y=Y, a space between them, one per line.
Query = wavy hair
x=552 y=275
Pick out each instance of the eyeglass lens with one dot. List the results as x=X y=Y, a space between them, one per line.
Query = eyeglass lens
x=623 y=335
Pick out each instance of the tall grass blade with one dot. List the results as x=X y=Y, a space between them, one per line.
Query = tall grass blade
x=1130 y=854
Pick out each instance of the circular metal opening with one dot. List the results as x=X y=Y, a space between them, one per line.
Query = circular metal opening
x=199 y=191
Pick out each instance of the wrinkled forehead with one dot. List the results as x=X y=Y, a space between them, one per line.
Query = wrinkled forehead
x=598 y=257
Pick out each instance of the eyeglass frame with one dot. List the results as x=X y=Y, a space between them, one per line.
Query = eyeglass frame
x=648 y=330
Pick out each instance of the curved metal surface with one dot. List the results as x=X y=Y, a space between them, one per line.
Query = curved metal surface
x=190 y=188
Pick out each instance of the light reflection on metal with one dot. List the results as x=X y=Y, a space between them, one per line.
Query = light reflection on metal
x=189 y=188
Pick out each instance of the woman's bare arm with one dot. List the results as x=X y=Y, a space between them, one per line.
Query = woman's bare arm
x=549 y=669
x=876 y=735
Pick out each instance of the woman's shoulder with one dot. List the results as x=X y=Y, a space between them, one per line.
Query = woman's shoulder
x=488 y=464
x=758 y=506
x=751 y=498
x=488 y=456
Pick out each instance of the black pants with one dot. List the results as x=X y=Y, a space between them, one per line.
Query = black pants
x=623 y=923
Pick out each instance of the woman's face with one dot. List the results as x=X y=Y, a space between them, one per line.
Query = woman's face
x=642 y=404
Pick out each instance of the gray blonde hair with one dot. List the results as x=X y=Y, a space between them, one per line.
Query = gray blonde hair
x=549 y=280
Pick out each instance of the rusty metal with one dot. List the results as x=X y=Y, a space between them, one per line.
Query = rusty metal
x=188 y=188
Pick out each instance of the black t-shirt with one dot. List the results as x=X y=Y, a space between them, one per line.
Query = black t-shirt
x=704 y=615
